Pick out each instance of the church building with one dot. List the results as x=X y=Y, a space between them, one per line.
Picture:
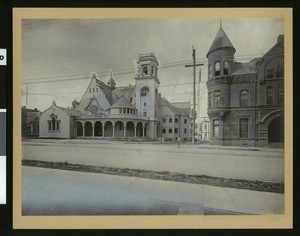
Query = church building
x=130 y=112
x=245 y=100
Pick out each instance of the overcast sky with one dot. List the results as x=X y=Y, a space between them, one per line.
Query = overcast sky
x=68 y=51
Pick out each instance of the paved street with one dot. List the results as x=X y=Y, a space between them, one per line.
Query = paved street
x=230 y=162
x=60 y=192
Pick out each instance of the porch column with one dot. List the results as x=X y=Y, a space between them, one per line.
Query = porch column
x=93 y=131
x=155 y=131
x=113 y=131
x=135 y=131
x=124 y=131
x=144 y=130
x=83 y=130
x=103 y=129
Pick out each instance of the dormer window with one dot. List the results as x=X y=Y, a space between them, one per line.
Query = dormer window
x=145 y=70
x=144 y=91
x=217 y=68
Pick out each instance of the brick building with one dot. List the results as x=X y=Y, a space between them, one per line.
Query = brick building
x=245 y=100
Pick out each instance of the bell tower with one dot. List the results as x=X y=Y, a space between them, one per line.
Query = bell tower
x=146 y=85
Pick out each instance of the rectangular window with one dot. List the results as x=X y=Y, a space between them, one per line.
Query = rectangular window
x=145 y=114
x=170 y=131
x=185 y=131
x=244 y=128
x=280 y=96
x=270 y=73
x=120 y=110
x=144 y=104
x=176 y=130
x=270 y=95
x=216 y=128
x=164 y=131
x=128 y=110
x=176 y=120
x=57 y=125
x=210 y=100
x=90 y=90
x=185 y=120
x=49 y=125
x=124 y=110
x=217 y=98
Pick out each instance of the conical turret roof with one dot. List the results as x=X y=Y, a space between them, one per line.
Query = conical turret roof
x=221 y=41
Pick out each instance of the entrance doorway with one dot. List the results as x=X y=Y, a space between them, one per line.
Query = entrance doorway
x=276 y=130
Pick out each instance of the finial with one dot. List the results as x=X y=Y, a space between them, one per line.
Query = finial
x=111 y=74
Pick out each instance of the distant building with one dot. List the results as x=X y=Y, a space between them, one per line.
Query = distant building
x=106 y=110
x=245 y=100
x=204 y=130
x=30 y=122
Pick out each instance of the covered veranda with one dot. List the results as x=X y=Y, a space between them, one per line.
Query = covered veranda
x=114 y=128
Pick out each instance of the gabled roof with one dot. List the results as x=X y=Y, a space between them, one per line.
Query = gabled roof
x=122 y=102
x=279 y=43
x=32 y=115
x=221 y=41
x=177 y=110
x=91 y=100
x=71 y=112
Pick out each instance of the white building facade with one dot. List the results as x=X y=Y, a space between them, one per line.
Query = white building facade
x=105 y=110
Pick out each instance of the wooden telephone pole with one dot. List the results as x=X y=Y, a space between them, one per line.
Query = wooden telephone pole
x=194 y=65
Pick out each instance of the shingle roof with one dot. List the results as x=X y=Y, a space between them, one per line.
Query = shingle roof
x=221 y=41
x=177 y=110
x=122 y=102
x=245 y=68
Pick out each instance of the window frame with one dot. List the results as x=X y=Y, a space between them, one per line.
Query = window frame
x=217 y=98
x=226 y=68
x=241 y=126
x=216 y=124
x=244 y=98
x=217 y=71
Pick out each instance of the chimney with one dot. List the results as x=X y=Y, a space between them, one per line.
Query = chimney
x=280 y=38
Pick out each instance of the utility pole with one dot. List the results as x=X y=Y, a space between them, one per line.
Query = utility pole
x=194 y=65
x=26 y=95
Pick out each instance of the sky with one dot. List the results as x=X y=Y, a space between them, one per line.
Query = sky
x=59 y=55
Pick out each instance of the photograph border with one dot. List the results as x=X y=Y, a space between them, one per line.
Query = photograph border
x=152 y=222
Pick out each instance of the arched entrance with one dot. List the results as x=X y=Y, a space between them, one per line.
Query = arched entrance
x=79 y=129
x=88 y=129
x=98 y=129
x=108 y=129
x=139 y=129
x=130 y=129
x=119 y=129
x=276 y=130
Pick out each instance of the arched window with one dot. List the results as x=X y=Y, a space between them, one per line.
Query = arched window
x=170 y=120
x=217 y=68
x=164 y=131
x=210 y=71
x=144 y=91
x=145 y=70
x=244 y=98
x=170 y=131
x=226 y=68
x=164 y=120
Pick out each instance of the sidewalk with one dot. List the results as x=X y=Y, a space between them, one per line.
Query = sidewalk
x=58 y=192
